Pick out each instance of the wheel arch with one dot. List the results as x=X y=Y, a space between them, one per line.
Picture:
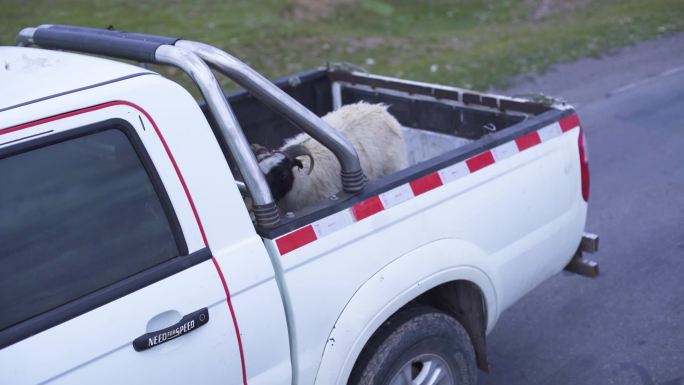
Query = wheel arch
x=464 y=301
x=435 y=272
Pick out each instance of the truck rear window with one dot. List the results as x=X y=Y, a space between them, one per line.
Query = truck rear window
x=77 y=215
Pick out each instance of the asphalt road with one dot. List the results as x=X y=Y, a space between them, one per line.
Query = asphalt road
x=627 y=326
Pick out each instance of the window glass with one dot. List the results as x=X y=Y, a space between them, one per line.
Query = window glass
x=75 y=216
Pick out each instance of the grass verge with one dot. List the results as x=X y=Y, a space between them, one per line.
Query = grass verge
x=468 y=43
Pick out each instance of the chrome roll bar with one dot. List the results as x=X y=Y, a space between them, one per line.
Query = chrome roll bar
x=25 y=37
x=229 y=127
x=353 y=179
x=195 y=59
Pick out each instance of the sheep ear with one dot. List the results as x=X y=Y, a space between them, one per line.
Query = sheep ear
x=297 y=150
x=298 y=163
x=301 y=165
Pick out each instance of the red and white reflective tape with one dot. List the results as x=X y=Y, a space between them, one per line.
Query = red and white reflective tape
x=403 y=193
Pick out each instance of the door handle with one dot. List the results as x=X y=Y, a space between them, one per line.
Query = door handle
x=187 y=324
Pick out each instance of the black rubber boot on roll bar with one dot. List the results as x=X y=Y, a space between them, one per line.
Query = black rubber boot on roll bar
x=353 y=182
x=266 y=216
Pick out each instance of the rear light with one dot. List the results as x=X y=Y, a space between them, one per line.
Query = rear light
x=584 y=164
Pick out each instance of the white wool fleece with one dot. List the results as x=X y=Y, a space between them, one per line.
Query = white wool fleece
x=375 y=134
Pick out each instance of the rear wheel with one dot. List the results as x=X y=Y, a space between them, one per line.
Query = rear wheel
x=419 y=345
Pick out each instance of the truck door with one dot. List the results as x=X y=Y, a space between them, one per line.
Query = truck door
x=104 y=277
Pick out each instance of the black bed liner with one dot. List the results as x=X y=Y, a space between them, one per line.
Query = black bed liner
x=313 y=90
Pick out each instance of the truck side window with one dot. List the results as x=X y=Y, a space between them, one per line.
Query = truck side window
x=75 y=217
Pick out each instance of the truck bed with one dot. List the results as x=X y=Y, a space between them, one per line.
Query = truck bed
x=442 y=125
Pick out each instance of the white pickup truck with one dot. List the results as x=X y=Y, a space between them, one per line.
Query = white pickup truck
x=129 y=255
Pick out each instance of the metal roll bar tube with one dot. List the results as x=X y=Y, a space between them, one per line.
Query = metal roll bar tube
x=265 y=210
x=25 y=37
x=160 y=49
x=353 y=179
x=192 y=58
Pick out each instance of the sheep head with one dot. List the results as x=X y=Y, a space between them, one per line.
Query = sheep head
x=277 y=166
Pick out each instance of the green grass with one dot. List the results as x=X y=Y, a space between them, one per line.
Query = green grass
x=469 y=43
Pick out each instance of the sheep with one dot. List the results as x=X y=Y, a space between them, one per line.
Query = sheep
x=375 y=134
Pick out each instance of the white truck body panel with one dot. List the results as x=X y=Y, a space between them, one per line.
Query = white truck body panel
x=32 y=73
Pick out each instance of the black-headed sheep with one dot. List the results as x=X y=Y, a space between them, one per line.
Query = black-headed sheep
x=375 y=134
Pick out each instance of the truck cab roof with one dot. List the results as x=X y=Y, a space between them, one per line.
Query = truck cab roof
x=30 y=74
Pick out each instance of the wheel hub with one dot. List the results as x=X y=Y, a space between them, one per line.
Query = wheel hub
x=425 y=369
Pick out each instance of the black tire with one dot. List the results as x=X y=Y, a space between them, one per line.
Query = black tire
x=415 y=332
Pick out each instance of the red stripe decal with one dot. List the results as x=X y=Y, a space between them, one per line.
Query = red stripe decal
x=180 y=178
x=480 y=161
x=232 y=315
x=296 y=239
x=528 y=140
x=569 y=123
x=57 y=117
x=175 y=167
x=426 y=183
x=367 y=208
